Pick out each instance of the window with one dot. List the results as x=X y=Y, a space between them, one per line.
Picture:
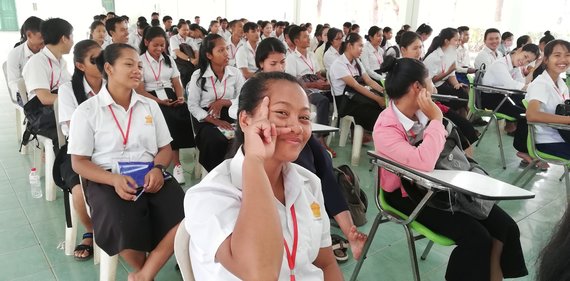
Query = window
x=8 y=18
x=109 y=5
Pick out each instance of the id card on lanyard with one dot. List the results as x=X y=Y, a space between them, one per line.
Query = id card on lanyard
x=160 y=92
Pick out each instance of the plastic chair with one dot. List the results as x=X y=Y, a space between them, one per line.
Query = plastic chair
x=474 y=109
x=20 y=125
x=391 y=214
x=182 y=252
x=47 y=145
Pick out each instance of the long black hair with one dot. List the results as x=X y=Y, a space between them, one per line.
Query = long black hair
x=401 y=74
x=439 y=40
x=384 y=39
x=266 y=47
x=151 y=33
x=206 y=47
x=351 y=38
x=31 y=24
x=331 y=35
x=548 y=49
x=79 y=55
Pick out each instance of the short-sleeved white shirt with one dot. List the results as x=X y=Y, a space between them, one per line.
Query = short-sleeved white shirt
x=232 y=51
x=157 y=74
x=245 y=57
x=329 y=57
x=298 y=65
x=439 y=61
x=462 y=59
x=320 y=54
x=135 y=41
x=176 y=40
x=67 y=103
x=487 y=57
x=226 y=34
x=227 y=88
x=44 y=71
x=543 y=90
x=503 y=74
x=17 y=58
x=342 y=68
x=372 y=59
x=212 y=208
x=94 y=132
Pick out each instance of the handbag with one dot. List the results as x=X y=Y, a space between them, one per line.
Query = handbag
x=40 y=118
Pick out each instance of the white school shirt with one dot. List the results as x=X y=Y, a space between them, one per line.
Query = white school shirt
x=372 y=59
x=195 y=43
x=17 y=58
x=342 y=68
x=67 y=103
x=212 y=208
x=44 y=71
x=232 y=50
x=280 y=37
x=439 y=61
x=153 y=69
x=314 y=43
x=135 y=41
x=462 y=59
x=320 y=54
x=329 y=57
x=226 y=34
x=298 y=65
x=228 y=88
x=392 y=52
x=543 y=90
x=245 y=57
x=487 y=57
x=503 y=74
x=94 y=131
x=175 y=42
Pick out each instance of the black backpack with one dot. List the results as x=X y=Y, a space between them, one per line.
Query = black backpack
x=355 y=197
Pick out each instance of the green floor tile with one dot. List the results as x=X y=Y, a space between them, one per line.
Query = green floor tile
x=44 y=275
x=23 y=262
x=16 y=238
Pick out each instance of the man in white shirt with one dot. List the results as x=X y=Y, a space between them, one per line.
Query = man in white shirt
x=489 y=53
x=463 y=64
x=245 y=56
x=279 y=31
x=235 y=41
x=224 y=31
x=118 y=30
x=19 y=56
x=135 y=38
x=289 y=45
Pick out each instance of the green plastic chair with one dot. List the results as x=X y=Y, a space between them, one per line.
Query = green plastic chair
x=538 y=156
x=392 y=214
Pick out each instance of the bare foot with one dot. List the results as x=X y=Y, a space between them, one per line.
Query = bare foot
x=356 y=240
x=524 y=156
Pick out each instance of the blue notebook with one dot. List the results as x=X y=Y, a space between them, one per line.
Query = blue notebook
x=136 y=170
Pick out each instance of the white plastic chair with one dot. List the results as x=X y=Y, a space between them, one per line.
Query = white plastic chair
x=182 y=252
x=20 y=126
x=47 y=146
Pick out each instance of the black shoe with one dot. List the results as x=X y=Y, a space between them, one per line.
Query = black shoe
x=479 y=122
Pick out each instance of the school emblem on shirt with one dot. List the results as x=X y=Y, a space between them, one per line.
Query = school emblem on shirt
x=148 y=119
x=316 y=209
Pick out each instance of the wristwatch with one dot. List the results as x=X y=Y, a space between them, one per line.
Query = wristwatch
x=161 y=167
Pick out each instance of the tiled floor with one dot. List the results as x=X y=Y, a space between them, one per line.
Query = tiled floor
x=32 y=230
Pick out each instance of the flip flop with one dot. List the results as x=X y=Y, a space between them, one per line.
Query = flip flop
x=83 y=247
x=340 y=248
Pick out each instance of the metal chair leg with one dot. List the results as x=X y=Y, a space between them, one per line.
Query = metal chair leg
x=412 y=250
x=427 y=250
x=493 y=118
x=377 y=221
x=501 y=145
x=525 y=171
x=567 y=179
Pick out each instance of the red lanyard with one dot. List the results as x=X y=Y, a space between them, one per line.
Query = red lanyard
x=214 y=86
x=236 y=49
x=291 y=255
x=125 y=136
x=378 y=56
x=311 y=67
x=51 y=72
x=559 y=93
x=156 y=77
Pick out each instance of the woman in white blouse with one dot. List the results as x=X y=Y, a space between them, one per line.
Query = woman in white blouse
x=372 y=54
x=211 y=91
x=332 y=47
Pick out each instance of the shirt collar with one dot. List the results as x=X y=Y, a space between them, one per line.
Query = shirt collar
x=49 y=54
x=106 y=99
x=151 y=59
x=407 y=122
x=491 y=52
x=27 y=52
x=439 y=52
x=210 y=73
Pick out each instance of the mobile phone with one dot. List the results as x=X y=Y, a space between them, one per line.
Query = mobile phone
x=139 y=192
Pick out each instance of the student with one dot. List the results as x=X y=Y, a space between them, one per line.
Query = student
x=355 y=28
x=394 y=50
x=235 y=41
x=440 y=60
x=386 y=37
x=161 y=83
x=214 y=27
x=196 y=35
x=274 y=225
x=118 y=30
x=85 y=83
x=303 y=65
x=345 y=30
x=197 y=20
x=288 y=42
x=32 y=43
x=98 y=138
x=245 y=57
x=317 y=39
x=211 y=91
x=279 y=31
x=372 y=53
x=332 y=47
x=521 y=41
x=167 y=22
x=552 y=262
x=47 y=70
x=135 y=38
x=411 y=47
x=486 y=249
x=182 y=38
x=545 y=93
x=406 y=27
x=320 y=51
x=224 y=31
x=506 y=42
x=463 y=65
x=315 y=158
x=489 y=53
x=425 y=32
x=352 y=98
x=266 y=29
x=97 y=32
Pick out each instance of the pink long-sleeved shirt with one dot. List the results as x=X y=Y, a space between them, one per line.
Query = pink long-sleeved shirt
x=391 y=141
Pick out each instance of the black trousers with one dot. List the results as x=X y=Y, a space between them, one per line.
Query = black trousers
x=470 y=260
x=211 y=142
x=364 y=110
x=466 y=130
x=178 y=122
x=447 y=89
x=492 y=100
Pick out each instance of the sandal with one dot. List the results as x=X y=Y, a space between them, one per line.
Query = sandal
x=83 y=247
x=340 y=248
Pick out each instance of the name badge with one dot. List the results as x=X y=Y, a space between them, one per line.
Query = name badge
x=161 y=94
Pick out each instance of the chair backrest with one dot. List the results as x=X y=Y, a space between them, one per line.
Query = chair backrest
x=334 y=118
x=475 y=99
x=60 y=136
x=5 y=70
x=22 y=90
x=182 y=252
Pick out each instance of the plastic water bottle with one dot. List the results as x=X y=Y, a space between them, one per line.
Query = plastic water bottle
x=35 y=184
